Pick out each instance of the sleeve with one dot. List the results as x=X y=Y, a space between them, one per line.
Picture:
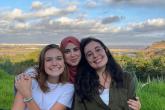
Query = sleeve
x=34 y=84
x=31 y=72
x=132 y=85
x=67 y=97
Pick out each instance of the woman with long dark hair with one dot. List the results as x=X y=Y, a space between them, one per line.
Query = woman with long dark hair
x=101 y=84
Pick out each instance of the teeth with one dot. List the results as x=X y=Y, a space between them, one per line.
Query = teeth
x=97 y=61
x=55 y=69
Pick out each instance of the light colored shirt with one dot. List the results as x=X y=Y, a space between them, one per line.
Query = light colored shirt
x=59 y=93
x=105 y=96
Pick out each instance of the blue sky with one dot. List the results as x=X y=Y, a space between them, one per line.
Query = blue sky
x=116 y=22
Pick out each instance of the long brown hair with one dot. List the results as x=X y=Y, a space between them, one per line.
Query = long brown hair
x=43 y=76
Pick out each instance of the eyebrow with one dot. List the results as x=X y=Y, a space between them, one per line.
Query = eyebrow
x=54 y=57
x=94 y=48
x=98 y=47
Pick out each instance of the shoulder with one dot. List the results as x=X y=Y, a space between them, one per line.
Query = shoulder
x=129 y=78
x=67 y=86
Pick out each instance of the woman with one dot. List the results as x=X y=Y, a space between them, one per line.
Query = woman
x=50 y=90
x=70 y=47
x=101 y=84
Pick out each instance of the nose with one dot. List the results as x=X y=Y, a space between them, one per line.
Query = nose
x=72 y=53
x=54 y=62
x=94 y=54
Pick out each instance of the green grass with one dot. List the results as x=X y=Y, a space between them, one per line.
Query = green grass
x=6 y=90
x=152 y=95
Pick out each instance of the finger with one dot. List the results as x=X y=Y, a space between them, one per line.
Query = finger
x=132 y=101
x=137 y=98
x=135 y=105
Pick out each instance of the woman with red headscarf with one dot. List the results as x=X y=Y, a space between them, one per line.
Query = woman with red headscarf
x=70 y=47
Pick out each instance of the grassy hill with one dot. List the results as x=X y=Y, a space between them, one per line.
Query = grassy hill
x=156 y=49
x=19 y=52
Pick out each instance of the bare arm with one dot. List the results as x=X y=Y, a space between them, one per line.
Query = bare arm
x=58 y=106
x=23 y=85
x=18 y=102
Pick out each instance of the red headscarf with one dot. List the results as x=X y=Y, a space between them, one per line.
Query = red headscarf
x=72 y=70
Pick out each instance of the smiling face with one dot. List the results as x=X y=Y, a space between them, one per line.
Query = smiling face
x=72 y=54
x=95 y=55
x=54 y=63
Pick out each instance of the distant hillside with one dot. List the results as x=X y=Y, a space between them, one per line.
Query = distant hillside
x=156 y=49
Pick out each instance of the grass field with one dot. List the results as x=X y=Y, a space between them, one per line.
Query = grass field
x=6 y=91
x=152 y=95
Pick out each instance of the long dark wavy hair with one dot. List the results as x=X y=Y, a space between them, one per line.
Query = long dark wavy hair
x=42 y=75
x=87 y=81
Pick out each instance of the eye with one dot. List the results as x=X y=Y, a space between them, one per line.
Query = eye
x=48 y=59
x=89 y=54
x=98 y=49
x=76 y=49
x=66 y=51
x=59 y=58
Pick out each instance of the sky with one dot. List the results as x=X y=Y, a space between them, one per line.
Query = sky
x=115 y=22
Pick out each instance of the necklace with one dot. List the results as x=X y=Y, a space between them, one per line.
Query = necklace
x=52 y=86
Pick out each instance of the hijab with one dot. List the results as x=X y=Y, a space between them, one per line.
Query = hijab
x=72 y=70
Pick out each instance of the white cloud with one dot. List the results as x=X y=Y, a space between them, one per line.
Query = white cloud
x=149 y=25
x=37 y=5
x=137 y=2
x=156 y=22
x=91 y=4
x=16 y=13
x=21 y=26
x=71 y=8
x=47 y=12
x=65 y=20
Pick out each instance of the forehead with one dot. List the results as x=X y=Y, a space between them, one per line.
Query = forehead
x=53 y=52
x=70 y=46
x=92 y=45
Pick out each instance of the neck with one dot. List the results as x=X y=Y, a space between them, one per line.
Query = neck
x=53 y=79
x=70 y=66
x=101 y=71
x=104 y=78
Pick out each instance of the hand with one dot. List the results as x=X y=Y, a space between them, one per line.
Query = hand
x=134 y=104
x=23 y=84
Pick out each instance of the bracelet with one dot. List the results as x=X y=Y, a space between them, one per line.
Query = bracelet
x=28 y=99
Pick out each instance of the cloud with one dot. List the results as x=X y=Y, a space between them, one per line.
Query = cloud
x=111 y=19
x=37 y=5
x=21 y=26
x=150 y=25
x=91 y=4
x=137 y=2
x=16 y=13
x=71 y=8
x=69 y=19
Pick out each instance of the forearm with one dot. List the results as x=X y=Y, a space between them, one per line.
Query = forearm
x=32 y=105
x=18 y=102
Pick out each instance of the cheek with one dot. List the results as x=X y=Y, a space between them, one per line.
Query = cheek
x=78 y=53
x=91 y=63
x=67 y=57
x=46 y=66
x=63 y=64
